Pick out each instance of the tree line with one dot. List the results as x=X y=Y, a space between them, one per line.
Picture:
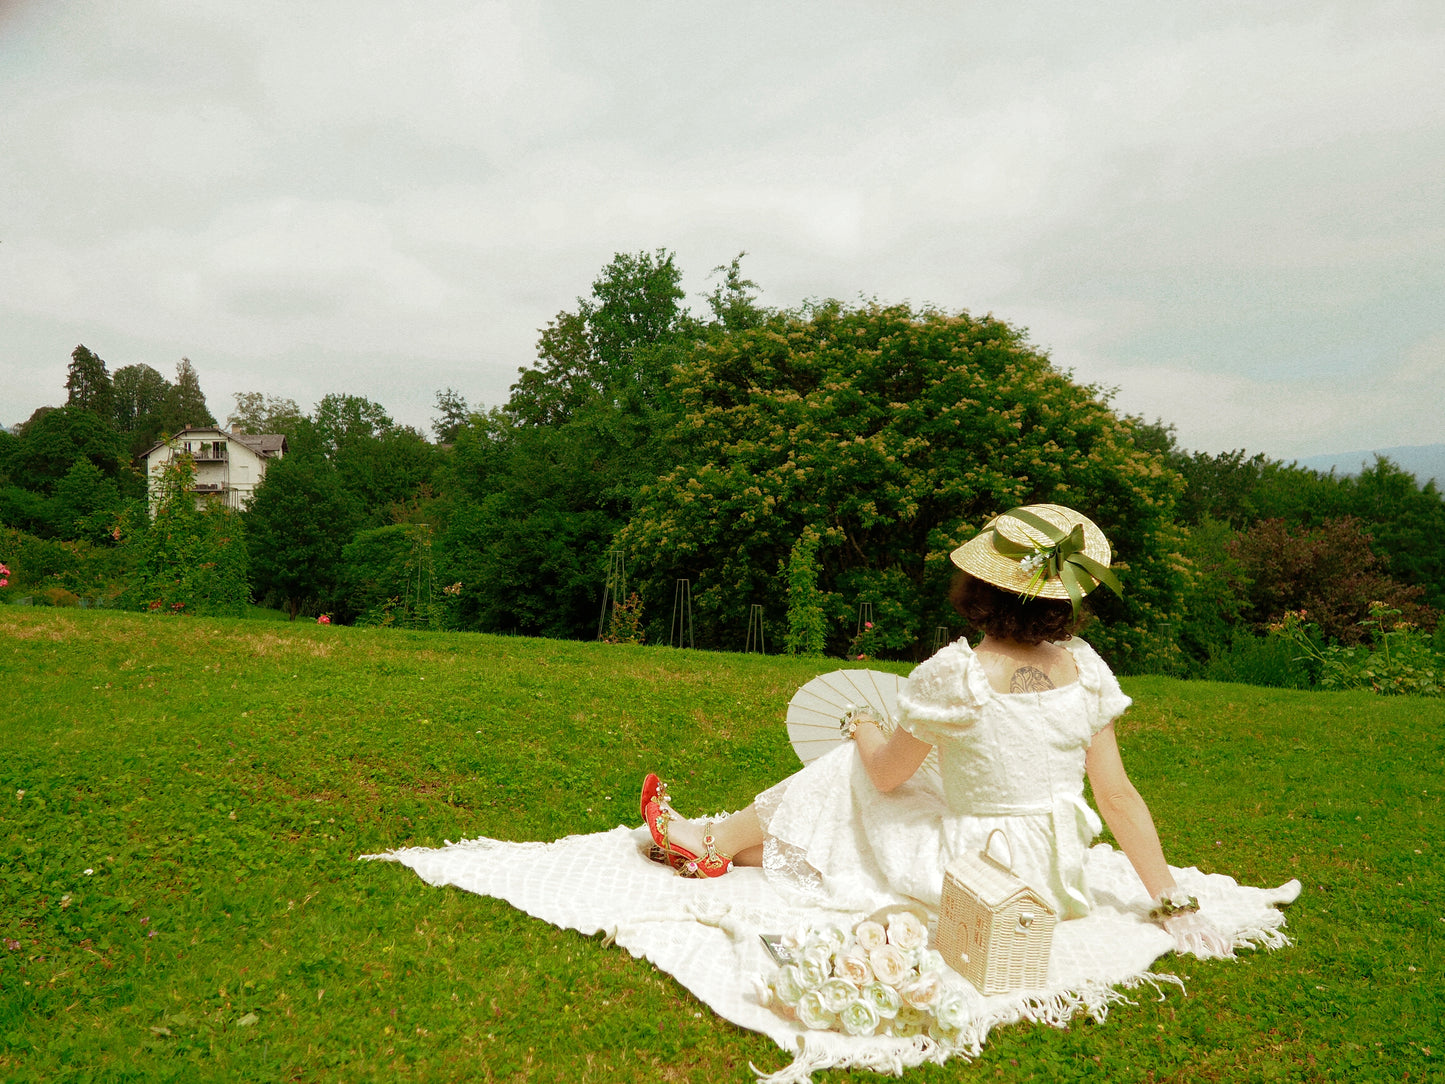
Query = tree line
x=830 y=452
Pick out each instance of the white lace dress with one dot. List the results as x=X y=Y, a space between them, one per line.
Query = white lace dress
x=1008 y=760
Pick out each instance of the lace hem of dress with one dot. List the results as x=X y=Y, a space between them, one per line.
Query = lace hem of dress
x=787 y=867
x=784 y=864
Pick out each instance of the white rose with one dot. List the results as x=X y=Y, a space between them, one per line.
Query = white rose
x=889 y=965
x=853 y=966
x=836 y=993
x=859 y=1017
x=951 y=1012
x=870 y=935
x=909 y=1021
x=922 y=992
x=815 y=967
x=884 y=999
x=812 y=1013
x=795 y=939
x=789 y=985
x=831 y=937
x=907 y=931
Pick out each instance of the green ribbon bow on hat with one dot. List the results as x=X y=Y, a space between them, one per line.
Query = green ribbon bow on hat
x=1064 y=558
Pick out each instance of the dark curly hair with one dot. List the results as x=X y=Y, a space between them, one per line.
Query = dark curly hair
x=1005 y=616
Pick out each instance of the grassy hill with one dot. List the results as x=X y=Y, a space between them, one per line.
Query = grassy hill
x=182 y=802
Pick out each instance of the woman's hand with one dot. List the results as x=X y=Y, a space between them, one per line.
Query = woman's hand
x=1193 y=933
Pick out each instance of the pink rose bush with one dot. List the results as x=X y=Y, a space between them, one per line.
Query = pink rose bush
x=879 y=979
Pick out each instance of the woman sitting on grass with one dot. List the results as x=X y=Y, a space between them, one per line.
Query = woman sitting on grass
x=1017 y=722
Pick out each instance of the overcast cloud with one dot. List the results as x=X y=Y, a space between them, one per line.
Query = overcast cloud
x=1230 y=213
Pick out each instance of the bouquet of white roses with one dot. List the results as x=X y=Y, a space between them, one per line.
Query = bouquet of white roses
x=880 y=979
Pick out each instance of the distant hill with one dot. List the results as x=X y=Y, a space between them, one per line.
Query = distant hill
x=1424 y=461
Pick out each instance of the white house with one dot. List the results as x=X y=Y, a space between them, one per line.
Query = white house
x=229 y=466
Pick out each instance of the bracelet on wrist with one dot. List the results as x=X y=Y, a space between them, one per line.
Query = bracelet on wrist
x=1171 y=903
x=852 y=719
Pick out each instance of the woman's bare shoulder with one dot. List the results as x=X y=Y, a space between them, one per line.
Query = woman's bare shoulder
x=1027 y=669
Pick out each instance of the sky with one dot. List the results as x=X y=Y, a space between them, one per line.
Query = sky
x=1229 y=214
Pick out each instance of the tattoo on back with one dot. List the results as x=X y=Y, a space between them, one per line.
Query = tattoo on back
x=1029 y=679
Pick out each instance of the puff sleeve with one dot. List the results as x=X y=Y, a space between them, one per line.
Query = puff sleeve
x=1107 y=701
x=941 y=697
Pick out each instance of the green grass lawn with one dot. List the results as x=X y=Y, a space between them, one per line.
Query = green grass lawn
x=182 y=802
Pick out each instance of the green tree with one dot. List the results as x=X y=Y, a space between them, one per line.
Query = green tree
x=542 y=485
x=452 y=411
x=897 y=434
x=28 y=511
x=88 y=385
x=185 y=402
x=1213 y=582
x=87 y=505
x=637 y=304
x=734 y=301
x=141 y=394
x=38 y=565
x=563 y=380
x=610 y=347
x=298 y=520
x=341 y=419
x=387 y=468
x=1237 y=507
x=385 y=472
x=1406 y=522
x=387 y=578
x=189 y=559
x=257 y=413
x=807 y=626
x=52 y=441
x=373 y=574
x=532 y=515
x=9 y=446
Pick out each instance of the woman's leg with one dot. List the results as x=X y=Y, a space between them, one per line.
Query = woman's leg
x=740 y=836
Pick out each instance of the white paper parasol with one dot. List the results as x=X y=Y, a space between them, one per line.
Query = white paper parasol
x=816 y=708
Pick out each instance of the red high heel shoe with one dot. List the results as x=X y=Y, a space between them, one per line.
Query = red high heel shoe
x=657 y=814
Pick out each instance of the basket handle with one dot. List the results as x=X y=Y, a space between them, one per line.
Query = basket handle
x=988 y=846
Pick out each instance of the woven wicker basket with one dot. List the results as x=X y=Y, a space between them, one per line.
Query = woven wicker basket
x=993 y=929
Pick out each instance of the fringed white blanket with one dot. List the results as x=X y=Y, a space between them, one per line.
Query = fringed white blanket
x=705 y=934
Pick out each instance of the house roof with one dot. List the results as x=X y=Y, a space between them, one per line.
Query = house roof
x=265 y=445
x=262 y=443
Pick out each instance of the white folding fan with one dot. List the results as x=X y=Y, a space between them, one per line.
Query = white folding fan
x=816 y=709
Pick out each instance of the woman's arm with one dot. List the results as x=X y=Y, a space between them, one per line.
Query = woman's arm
x=1126 y=813
x=1128 y=818
x=891 y=761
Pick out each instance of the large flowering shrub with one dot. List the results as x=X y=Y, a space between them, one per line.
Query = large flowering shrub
x=896 y=434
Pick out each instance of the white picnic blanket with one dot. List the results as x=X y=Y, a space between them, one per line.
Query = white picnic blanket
x=705 y=933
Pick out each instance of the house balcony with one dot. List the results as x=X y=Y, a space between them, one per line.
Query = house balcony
x=209 y=455
x=209 y=487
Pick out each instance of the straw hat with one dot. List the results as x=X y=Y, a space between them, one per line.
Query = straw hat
x=1040 y=551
